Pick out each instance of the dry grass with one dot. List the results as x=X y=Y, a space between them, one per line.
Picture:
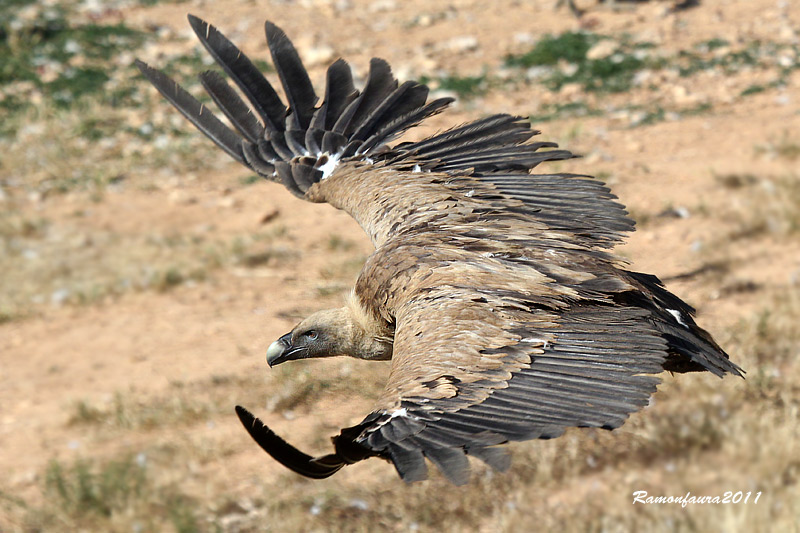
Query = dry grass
x=163 y=459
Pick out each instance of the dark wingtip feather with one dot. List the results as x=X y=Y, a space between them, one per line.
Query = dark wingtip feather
x=232 y=105
x=246 y=76
x=285 y=453
x=293 y=75
x=193 y=110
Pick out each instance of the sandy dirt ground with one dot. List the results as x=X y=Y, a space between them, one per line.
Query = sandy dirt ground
x=156 y=372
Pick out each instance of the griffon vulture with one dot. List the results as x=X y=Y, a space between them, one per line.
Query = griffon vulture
x=492 y=289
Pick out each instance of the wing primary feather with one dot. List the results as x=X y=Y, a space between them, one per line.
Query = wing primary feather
x=196 y=112
x=333 y=142
x=479 y=128
x=313 y=140
x=278 y=141
x=294 y=77
x=239 y=67
x=394 y=104
x=255 y=162
x=266 y=151
x=380 y=83
x=339 y=93
x=296 y=141
x=285 y=173
x=505 y=139
x=285 y=453
x=397 y=126
x=452 y=462
x=496 y=457
x=408 y=461
x=234 y=107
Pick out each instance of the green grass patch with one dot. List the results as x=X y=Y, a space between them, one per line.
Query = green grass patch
x=548 y=112
x=65 y=61
x=465 y=87
x=612 y=73
x=569 y=46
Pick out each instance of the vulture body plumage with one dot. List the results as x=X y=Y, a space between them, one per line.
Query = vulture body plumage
x=492 y=289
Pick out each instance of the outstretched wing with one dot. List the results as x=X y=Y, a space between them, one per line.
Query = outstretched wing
x=512 y=373
x=302 y=143
x=476 y=368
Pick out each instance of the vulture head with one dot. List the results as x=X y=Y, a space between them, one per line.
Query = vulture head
x=348 y=330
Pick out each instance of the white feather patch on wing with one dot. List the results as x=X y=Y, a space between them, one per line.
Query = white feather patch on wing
x=399 y=412
x=329 y=166
x=679 y=317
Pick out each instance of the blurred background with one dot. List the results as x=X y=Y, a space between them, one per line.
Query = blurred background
x=144 y=273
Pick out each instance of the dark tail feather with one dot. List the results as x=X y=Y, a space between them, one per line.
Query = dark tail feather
x=691 y=347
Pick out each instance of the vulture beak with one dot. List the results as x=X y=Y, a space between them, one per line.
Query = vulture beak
x=281 y=350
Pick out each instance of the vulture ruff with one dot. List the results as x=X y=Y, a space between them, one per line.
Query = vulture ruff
x=492 y=289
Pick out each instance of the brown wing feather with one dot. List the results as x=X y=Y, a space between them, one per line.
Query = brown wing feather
x=472 y=370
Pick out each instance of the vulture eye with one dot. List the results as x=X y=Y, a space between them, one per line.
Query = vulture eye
x=311 y=334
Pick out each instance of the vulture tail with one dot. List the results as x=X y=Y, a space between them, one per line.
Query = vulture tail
x=300 y=143
x=691 y=348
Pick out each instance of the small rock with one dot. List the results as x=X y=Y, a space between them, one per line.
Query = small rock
x=634 y=146
x=318 y=55
x=787 y=34
x=36 y=197
x=269 y=216
x=359 y=504
x=642 y=77
x=675 y=212
x=539 y=71
x=786 y=61
x=524 y=38
x=568 y=69
x=424 y=20
x=59 y=297
x=682 y=96
x=462 y=43
x=604 y=48
x=179 y=197
x=382 y=5
x=570 y=90
x=228 y=201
